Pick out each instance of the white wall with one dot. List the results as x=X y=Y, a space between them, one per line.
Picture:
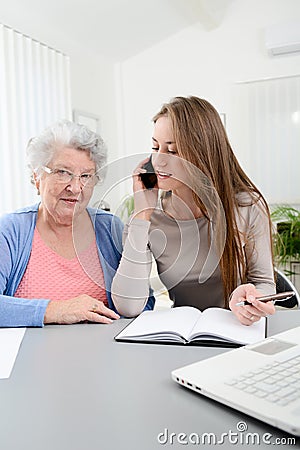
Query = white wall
x=93 y=91
x=192 y=62
x=202 y=63
x=92 y=76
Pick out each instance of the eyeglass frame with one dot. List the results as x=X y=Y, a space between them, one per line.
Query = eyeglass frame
x=93 y=176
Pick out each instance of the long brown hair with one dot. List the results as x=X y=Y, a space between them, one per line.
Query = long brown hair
x=201 y=139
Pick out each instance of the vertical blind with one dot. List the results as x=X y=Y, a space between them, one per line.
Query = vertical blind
x=34 y=93
x=267 y=135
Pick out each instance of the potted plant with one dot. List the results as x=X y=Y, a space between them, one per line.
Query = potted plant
x=286 y=241
x=126 y=208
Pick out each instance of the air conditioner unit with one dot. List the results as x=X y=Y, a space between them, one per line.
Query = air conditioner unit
x=283 y=38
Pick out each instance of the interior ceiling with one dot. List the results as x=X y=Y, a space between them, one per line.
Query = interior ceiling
x=117 y=29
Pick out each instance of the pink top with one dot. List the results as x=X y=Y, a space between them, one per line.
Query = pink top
x=51 y=276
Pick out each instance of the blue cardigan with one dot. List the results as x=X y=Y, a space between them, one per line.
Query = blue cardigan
x=16 y=236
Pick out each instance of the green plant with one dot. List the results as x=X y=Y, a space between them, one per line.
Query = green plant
x=126 y=208
x=287 y=237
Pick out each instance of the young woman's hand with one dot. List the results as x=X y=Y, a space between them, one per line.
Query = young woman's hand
x=248 y=314
x=78 y=309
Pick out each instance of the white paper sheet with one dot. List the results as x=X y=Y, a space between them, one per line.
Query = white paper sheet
x=10 y=341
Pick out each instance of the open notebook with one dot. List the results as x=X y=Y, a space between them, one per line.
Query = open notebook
x=189 y=326
x=262 y=379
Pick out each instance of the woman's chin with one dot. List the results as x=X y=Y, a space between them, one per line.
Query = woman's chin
x=67 y=215
x=164 y=183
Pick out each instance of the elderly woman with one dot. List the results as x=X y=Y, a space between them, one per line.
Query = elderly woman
x=58 y=257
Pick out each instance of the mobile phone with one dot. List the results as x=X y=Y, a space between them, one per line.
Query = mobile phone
x=272 y=297
x=149 y=178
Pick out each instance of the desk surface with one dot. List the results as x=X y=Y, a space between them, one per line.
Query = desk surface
x=75 y=388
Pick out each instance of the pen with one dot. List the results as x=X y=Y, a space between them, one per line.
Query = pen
x=267 y=298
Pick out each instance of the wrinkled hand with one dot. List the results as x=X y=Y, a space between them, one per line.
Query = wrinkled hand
x=249 y=314
x=145 y=200
x=78 y=309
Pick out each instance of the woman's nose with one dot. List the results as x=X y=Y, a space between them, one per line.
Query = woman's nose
x=75 y=185
x=159 y=159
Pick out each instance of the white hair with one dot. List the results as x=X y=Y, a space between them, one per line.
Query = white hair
x=41 y=149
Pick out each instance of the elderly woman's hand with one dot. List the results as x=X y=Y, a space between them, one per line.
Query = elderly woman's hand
x=249 y=314
x=78 y=309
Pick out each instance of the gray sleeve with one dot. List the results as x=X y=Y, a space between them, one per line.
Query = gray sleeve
x=258 y=250
x=130 y=286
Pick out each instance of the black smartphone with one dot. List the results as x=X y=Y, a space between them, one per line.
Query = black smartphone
x=149 y=178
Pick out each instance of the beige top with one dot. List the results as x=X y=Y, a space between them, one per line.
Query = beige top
x=186 y=263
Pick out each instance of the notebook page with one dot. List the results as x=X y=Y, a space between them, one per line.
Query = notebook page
x=10 y=341
x=180 y=320
x=223 y=323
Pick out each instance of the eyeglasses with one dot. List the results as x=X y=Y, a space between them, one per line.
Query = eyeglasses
x=64 y=176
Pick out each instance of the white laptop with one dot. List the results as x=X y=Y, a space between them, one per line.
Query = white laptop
x=262 y=379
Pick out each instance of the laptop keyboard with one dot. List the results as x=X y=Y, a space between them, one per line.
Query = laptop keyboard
x=278 y=382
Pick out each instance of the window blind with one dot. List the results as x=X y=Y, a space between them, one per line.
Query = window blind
x=266 y=130
x=34 y=93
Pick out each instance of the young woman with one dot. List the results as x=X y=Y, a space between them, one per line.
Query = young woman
x=209 y=233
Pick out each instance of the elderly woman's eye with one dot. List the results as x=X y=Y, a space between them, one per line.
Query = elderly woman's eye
x=86 y=176
x=63 y=172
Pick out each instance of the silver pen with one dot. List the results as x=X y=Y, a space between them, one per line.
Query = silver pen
x=273 y=297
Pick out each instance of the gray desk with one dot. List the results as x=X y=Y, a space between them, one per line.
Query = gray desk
x=74 y=388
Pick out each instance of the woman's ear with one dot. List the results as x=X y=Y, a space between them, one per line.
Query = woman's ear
x=36 y=181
